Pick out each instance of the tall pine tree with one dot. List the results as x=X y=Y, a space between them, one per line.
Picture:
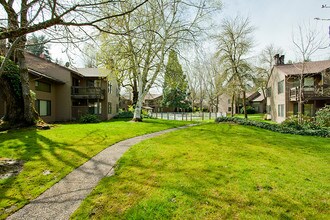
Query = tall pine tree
x=175 y=84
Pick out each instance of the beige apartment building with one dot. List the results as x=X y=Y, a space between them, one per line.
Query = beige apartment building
x=283 y=88
x=64 y=94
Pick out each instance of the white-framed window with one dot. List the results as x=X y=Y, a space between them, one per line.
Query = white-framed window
x=280 y=110
x=280 y=87
x=43 y=107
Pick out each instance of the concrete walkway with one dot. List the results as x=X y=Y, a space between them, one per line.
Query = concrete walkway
x=62 y=199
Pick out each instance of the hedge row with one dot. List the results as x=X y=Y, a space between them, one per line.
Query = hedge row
x=322 y=132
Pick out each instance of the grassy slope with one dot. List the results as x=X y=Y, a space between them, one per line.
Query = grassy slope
x=59 y=150
x=217 y=171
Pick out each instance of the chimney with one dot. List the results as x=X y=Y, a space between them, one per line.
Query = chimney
x=282 y=60
x=276 y=59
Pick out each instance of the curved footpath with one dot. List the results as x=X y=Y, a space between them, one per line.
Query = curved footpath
x=63 y=198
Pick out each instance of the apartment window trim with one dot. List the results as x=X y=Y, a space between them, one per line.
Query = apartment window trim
x=280 y=87
x=109 y=108
x=280 y=110
x=109 y=88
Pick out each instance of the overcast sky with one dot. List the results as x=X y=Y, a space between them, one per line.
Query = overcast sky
x=274 y=20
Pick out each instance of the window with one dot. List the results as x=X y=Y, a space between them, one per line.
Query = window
x=229 y=109
x=97 y=83
x=43 y=107
x=42 y=86
x=308 y=110
x=117 y=108
x=94 y=108
x=268 y=109
x=269 y=92
x=109 y=108
x=109 y=87
x=309 y=84
x=90 y=83
x=280 y=87
x=280 y=112
x=229 y=101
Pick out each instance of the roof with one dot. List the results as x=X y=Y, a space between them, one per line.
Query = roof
x=93 y=72
x=38 y=74
x=42 y=65
x=259 y=98
x=310 y=67
x=151 y=96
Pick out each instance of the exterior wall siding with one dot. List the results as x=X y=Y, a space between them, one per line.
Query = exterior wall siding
x=277 y=99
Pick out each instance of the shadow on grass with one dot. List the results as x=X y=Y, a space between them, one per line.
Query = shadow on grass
x=45 y=163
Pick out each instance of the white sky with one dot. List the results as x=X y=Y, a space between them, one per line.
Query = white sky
x=274 y=20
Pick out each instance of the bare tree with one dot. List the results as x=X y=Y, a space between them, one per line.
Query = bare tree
x=153 y=30
x=234 y=44
x=307 y=40
x=29 y=16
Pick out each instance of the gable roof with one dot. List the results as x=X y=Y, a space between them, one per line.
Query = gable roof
x=41 y=75
x=151 y=96
x=310 y=67
x=42 y=65
x=93 y=72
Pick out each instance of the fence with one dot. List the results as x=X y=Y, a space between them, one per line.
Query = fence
x=187 y=116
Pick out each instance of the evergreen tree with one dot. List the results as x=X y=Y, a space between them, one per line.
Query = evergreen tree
x=175 y=84
x=37 y=46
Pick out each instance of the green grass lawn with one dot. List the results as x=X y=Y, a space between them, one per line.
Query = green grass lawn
x=217 y=171
x=59 y=151
x=255 y=117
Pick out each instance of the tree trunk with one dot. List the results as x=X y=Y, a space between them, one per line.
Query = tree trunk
x=30 y=118
x=244 y=104
x=138 y=107
x=232 y=104
x=14 y=105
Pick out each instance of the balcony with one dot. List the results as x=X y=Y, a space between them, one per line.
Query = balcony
x=78 y=92
x=310 y=93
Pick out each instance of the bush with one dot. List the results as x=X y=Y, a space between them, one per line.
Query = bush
x=321 y=132
x=89 y=119
x=249 y=110
x=306 y=123
x=323 y=116
x=126 y=114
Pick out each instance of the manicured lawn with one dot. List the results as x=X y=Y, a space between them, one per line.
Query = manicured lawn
x=49 y=155
x=255 y=117
x=217 y=171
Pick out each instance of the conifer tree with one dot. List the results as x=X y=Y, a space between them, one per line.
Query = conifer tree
x=175 y=84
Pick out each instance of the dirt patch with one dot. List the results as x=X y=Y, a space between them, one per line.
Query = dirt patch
x=10 y=167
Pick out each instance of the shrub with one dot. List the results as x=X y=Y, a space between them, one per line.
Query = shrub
x=89 y=119
x=249 y=110
x=125 y=114
x=323 y=116
x=321 y=132
x=306 y=123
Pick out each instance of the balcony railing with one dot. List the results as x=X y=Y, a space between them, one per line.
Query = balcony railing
x=310 y=92
x=79 y=92
x=78 y=111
